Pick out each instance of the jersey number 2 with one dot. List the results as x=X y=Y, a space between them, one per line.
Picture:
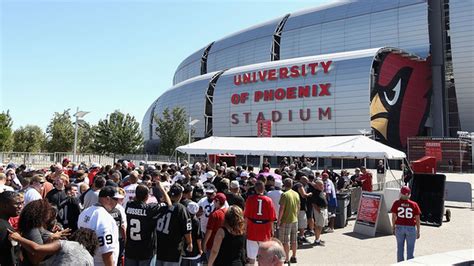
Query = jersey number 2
x=135 y=230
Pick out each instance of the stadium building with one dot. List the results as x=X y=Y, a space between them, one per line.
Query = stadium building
x=402 y=68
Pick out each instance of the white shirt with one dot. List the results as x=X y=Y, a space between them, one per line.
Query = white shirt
x=5 y=188
x=31 y=194
x=207 y=208
x=275 y=195
x=98 y=219
x=129 y=193
x=90 y=198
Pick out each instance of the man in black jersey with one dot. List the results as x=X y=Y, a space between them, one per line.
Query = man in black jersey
x=173 y=224
x=141 y=221
x=70 y=208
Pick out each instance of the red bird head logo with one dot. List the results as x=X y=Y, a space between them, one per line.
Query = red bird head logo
x=400 y=98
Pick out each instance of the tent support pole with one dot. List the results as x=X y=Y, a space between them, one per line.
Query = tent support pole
x=342 y=163
x=246 y=162
x=317 y=163
x=261 y=162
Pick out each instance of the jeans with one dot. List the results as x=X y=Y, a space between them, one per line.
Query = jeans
x=405 y=233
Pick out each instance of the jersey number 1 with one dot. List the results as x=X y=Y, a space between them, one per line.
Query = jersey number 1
x=259 y=212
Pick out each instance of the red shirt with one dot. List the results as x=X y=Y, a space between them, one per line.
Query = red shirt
x=406 y=210
x=260 y=214
x=366 y=180
x=216 y=221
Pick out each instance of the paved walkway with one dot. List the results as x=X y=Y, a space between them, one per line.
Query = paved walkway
x=344 y=247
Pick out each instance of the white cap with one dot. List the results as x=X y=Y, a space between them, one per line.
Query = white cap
x=95 y=165
x=193 y=207
x=278 y=183
x=234 y=184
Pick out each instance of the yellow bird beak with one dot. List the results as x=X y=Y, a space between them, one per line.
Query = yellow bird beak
x=378 y=123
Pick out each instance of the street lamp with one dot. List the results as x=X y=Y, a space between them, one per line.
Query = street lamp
x=77 y=115
x=190 y=125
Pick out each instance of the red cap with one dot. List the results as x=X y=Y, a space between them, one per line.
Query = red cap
x=405 y=191
x=220 y=197
x=325 y=175
x=66 y=160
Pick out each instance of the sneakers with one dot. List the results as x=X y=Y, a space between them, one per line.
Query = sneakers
x=302 y=240
x=309 y=233
x=329 y=230
x=293 y=260
x=321 y=243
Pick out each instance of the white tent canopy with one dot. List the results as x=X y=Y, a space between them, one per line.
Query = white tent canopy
x=336 y=147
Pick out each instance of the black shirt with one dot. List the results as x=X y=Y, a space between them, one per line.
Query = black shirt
x=196 y=235
x=55 y=197
x=303 y=204
x=231 y=250
x=141 y=235
x=7 y=253
x=234 y=199
x=68 y=212
x=117 y=215
x=319 y=198
x=173 y=223
x=380 y=169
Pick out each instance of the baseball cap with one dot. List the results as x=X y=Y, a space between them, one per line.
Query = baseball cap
x=405 y=191
x=325 y=175
x=11 y=165
x=210 y=188
x=210 y=174
x=66 y=160
x=234 y=184
x=220 y=197
x=175 y=190
x=278 y=183
x=95 y=165
x=193 y=207
x=244 y=174
x=109 y=191
x=357 y=169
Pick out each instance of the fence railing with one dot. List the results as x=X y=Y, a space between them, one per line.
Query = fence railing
x=43 y=160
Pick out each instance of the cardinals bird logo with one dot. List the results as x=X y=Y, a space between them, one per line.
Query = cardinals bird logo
x=400 y=98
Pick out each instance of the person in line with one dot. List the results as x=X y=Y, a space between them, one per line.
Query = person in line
x=381 y=175
x=141 y=229
x=405 y=223
x=260 y=216
x=271 y=253
x=57 y=194
x=216 y=220
x=320 y=204
x=366 y=179
x=172 y=227
x=228 y=247
x=288 y=219
x=330 y=192
x=33 y=192
x=91 y=197
x=10 y=206
x=97 y=217
x=3 y=183
x=192 y=258
x=79 y=251
x=70 y=208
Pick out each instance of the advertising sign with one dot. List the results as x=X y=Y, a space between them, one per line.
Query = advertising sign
x=368 y=209
x=372 y=215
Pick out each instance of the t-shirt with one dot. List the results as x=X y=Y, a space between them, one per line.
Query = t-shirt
x=366 y=180
x=119 y=219
x=129 y=193
x=173 y=223
x=68 y=212
x=275 y=195
x=235 y=199
x=71 y=253
x=291 y=200
x=207 y=207
x=98 y=219
x=406 y=210
x=216 y=221
x=380 y=169
x=319 y=198
x=141 y=233
x=260 y=213
x=330 y=193
x=31 y=194
x=5 y=188
x=7 y=254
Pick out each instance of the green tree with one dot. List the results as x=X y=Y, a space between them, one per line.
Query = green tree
x=119 y=134
x=28 y=139
x=60 y=133
x=85 y=136
x=172 y=130
x=6 y=133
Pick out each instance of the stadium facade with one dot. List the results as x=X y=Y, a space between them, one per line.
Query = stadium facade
x=402 y=68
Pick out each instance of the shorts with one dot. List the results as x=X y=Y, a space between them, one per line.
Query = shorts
x=288 y=233
x=320 y=217
x=331 y=211
x=252 y=249
x=309 y=210
x=302 y=220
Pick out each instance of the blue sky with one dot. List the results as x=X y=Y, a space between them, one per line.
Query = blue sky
x=108 y=55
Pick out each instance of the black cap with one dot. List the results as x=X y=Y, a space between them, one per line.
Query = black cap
x=109 y=191
x=175 y=190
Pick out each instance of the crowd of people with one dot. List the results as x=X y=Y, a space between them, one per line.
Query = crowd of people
x=160 y=214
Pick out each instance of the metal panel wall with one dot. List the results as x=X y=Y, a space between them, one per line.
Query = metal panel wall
x=190 y=67
x=349 y=100
x=462 y=47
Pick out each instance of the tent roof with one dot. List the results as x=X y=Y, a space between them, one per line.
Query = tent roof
x=337 y=147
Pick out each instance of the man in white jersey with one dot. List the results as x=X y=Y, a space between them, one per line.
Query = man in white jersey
x=206 y=206
x=98 y=218
x=130 y=189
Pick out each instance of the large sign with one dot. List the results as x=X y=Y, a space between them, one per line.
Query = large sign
x=372 y=215
x=295 y=91
x=400 y=98
x=434 y=149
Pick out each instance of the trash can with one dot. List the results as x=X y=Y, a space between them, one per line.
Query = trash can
x=343 y=200
x=428 y=191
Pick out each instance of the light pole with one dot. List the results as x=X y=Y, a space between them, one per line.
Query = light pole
x=190 y=126
x=77 y=115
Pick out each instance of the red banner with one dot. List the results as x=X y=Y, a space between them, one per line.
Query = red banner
x=434 y=149
x=368 y=209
